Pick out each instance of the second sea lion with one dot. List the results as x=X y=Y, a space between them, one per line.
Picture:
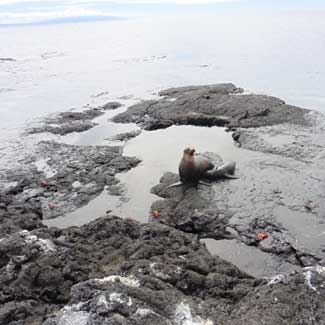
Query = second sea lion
x=226 y=170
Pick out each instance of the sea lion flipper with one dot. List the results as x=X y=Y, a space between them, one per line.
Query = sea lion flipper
x=231 y=176
x=175 y=185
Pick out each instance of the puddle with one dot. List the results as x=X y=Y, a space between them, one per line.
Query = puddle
x=160 y=152
x=100 y=134
x=96 y=208
x=249 y=259
x=305 y=227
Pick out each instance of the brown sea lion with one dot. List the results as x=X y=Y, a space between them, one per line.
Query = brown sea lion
x=192 y=167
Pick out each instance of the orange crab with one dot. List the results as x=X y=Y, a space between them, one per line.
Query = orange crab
x=262 y=235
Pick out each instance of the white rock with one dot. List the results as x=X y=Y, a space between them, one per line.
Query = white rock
x=183 y=316
x=128 y=281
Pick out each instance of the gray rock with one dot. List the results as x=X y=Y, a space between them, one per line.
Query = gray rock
x=115 y=271
x=7 y=60
x=111 y=106
x=68 y=122
x=215 y=105
x=125 y=136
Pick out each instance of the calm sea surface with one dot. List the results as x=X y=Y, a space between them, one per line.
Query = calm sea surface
x=59 y=67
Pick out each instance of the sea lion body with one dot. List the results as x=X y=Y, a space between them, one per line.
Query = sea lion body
x=224 y=171
x=192 y=167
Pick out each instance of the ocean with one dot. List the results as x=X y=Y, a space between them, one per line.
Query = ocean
x=63 y=66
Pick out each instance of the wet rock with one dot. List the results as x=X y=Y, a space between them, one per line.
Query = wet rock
x=215 y=105
x=125 y=136
x=45 y=263
x=277 y=242
x=270 y=304
x=19 y=214
x=236 y=136
x=191 y=209
x=7 y=60
x=70 y=116
x=221 y=211
x=155 y=124
x=111 y=106
x=221 y=89
x=115 y=270
x=80 y=173
x=68 y=122
x=64 y=128
x=94 y=167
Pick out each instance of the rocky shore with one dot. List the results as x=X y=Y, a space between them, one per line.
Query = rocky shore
x=121 y=271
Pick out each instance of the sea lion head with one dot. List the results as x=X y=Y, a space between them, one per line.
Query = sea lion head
x=189 y=151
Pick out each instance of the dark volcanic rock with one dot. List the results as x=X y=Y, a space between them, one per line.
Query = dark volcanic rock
x=68 y=122
x=38 y=269
x=68 y=117
x=64 y=128
x=155 y=124
x=111 y=106
x=82 y=172
x=190 y=210
x=7 y=60
x=276 y=242
x=115 y=271
x=215 y=105
x=210 y=212
x=15 y=215
x=77 y=175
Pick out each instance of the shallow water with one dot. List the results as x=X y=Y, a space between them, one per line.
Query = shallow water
x=59 y=67
x=161 y=152
x=305 y=227
x=247 y=258
x=98 y=207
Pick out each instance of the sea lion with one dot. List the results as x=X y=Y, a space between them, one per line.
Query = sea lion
x=192 y=168
x=224 y=171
